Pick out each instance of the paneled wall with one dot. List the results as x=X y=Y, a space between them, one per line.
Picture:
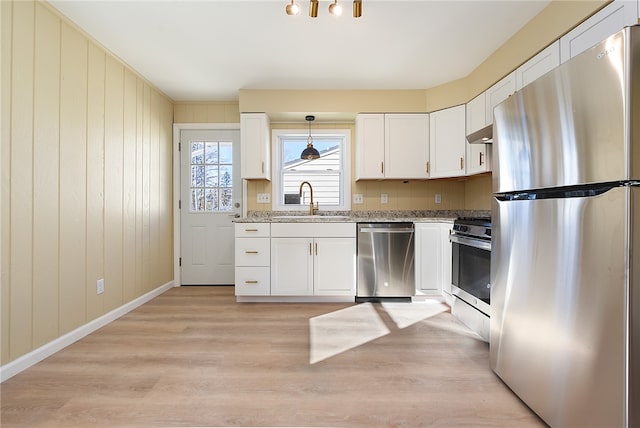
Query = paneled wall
x=86 y=180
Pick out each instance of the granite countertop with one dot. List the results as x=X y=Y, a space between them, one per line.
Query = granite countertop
x=358 y=216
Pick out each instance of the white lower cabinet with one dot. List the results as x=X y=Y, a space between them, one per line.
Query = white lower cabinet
x=433 y=259
x=252 y=258
x=289 y=260
x=313 y=266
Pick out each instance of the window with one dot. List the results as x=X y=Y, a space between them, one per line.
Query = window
x=329 y=175
x=211 y=176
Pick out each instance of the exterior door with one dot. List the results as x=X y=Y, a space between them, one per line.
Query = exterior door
x=210 y=197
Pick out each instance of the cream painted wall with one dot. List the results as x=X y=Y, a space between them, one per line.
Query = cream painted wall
x=206 y=112
x=86 y=180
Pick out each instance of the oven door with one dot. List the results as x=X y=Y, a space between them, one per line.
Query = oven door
x=471 y=271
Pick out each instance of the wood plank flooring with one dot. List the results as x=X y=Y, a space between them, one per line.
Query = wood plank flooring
x=194 y=357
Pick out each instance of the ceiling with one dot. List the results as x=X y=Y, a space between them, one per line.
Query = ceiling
x=209 y=50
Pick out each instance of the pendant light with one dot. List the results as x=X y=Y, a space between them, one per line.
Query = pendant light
x=310 y=152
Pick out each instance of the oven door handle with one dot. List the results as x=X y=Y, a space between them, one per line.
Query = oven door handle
x=475 y=243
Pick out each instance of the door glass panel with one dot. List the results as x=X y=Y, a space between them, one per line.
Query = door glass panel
x=211 y=176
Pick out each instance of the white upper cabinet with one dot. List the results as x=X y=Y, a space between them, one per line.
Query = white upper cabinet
x=476 y=154
x=447 y=142
x=609 y=20
x=254 y=146
x=476 y=116
x=369 y=146
x=406 y=145
x=392 y=146
x=498 y=93
x=540 y=64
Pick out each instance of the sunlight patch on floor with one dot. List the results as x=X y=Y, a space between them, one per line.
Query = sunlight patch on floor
x=405 y=314
x=339 y=331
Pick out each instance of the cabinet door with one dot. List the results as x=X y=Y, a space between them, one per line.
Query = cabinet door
x=447 y=142
x=498 y=93
x=477 y=160
x=428 y=258
x=291 y=266
x=540 y=64
x=406 y=146
x=334 y=269
x=445 y=231
x=254 y=143
x=476 y=117
x=369 y=146
x=609 y=20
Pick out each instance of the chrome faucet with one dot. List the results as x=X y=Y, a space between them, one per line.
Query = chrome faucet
x=311 y=208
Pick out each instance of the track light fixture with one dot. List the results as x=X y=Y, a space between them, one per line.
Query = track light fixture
x=313 y=9
x=357 y=8
x=292 y=8
x=334 y=8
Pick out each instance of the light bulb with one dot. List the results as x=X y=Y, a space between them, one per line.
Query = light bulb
x=335 y=8
x=292 y=8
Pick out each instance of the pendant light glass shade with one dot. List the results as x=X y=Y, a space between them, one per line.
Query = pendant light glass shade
x=310 y=152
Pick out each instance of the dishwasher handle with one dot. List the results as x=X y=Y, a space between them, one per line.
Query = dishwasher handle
x=386 y=230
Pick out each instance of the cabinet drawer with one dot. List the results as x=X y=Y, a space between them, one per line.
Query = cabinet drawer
x=253 y=281
x=253 y=252
x=248 y=230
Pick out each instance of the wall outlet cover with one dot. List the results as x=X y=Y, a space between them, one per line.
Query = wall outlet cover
x=358 y=198
x=100 y=286
x=264 y=198
x=438 y=198
x=384 y=198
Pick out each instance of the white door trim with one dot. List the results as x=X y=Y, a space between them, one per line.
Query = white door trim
x=177 y=129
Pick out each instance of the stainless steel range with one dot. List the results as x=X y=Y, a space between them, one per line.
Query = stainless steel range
x=470 y=272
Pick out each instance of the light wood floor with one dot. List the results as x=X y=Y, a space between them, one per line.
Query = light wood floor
x=194 y=357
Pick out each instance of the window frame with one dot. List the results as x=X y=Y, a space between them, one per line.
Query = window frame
x=344 y=135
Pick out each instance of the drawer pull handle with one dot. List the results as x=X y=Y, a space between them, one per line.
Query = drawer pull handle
x=251 y=230
x=251 y=281
x=251 y=252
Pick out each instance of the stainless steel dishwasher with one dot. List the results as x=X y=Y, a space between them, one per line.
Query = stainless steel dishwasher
x=385 y=260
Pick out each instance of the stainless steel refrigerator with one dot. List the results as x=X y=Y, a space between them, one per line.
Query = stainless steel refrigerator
x=565 y=263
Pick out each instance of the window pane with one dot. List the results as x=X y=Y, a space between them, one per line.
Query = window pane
x=226 y=152
x=211 y=153
x=212 y=199
x=197 y=176
x=212 y=176
x=226 y=203
x=197 y=200
x=197 y=153
x=326 y=188
x=226 y=176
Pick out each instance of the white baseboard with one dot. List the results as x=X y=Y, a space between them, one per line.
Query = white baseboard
x=24 y=362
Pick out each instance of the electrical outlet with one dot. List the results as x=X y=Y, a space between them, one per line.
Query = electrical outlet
x=384 y=198
x=438 y=198
x=264 y=198
x=100 y=286
x=358 y=198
